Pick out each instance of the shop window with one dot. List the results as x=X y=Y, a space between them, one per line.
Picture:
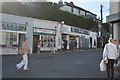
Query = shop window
x=9 y=39
x=46 y=40
x=3 y=25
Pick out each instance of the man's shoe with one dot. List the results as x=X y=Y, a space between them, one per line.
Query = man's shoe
x=18 y=68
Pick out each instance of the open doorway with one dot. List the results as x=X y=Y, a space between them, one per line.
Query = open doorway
x=90 y=42
x=35 y=42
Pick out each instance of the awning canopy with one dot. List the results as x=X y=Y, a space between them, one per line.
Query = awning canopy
x=74 y=34
x=114 y=18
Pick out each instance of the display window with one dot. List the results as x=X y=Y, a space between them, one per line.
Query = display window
x=46 y=39
x=9 y=39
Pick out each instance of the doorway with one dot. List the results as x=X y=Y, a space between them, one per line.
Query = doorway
x=90 y=42
x=35 y=42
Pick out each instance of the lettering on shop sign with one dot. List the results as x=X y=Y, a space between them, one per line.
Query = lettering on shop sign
x=14 y=27
x=39 y=30
x=78 y=30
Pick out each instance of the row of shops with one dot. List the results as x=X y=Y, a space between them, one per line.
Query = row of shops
x=15 y=28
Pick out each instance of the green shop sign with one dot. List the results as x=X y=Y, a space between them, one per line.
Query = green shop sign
x=14 y=27
x=44 y=31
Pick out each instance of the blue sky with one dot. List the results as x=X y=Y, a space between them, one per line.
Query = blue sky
x=92 y=5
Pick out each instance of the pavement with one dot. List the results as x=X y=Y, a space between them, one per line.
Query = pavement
x=70 y=64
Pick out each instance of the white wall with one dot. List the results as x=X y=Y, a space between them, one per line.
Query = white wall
x=82 y=12
x=76 y=11
x=66 y=28
x=114 y=7
x=44 y=24
x=116 y=31
x=14 y=19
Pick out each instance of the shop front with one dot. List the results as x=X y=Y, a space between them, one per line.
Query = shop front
x=70 y=39
x=82 y=38
x=72 y=42
x=45 y=36
x=12 y=35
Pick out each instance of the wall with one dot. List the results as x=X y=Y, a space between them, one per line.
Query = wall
x=76 y=11
x=44 y=24
x=114 y=7
x=116 y=31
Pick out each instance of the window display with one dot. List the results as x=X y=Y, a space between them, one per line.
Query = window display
x=46 y=40
x=9 y=39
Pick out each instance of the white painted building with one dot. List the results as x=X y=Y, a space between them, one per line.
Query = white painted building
x=15 y=28
x=70 y=7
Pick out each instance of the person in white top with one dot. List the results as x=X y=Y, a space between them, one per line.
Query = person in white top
x=111 y=53
x=39 y=46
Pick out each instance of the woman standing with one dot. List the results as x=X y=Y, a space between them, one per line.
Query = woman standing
x=25 y=50
x=110 y=54
x=52 y=46
x=39 y=46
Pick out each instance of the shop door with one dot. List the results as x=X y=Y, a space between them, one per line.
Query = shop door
x=72 y=42
x=90 y=42
x=35 y=42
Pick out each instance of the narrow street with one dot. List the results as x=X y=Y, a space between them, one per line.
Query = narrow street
x=79 y=64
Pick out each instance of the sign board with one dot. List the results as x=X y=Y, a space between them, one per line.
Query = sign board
x=44 y=31
x=14 y=27
x=78 y=30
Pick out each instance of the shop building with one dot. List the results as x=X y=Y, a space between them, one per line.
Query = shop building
x=85 y=39
x=15 y=28
x=45 y=31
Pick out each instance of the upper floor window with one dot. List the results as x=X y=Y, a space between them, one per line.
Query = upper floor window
x=82 y=12
x=88 y=13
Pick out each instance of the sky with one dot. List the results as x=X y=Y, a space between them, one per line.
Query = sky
x=92 y=6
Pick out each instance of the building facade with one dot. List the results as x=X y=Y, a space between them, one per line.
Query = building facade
x=114 y=19
x=13 y=29
x=70 y=7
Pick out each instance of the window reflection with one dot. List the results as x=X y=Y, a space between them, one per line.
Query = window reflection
x=46 y=40
x=9 y=39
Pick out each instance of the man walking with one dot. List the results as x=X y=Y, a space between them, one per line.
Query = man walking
x=25 y=50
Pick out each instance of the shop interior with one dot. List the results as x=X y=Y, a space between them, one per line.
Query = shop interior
x=45 y=39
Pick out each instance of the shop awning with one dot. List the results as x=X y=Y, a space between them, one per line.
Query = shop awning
x=74 y=34
x=114 y=18
x=44 y=31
